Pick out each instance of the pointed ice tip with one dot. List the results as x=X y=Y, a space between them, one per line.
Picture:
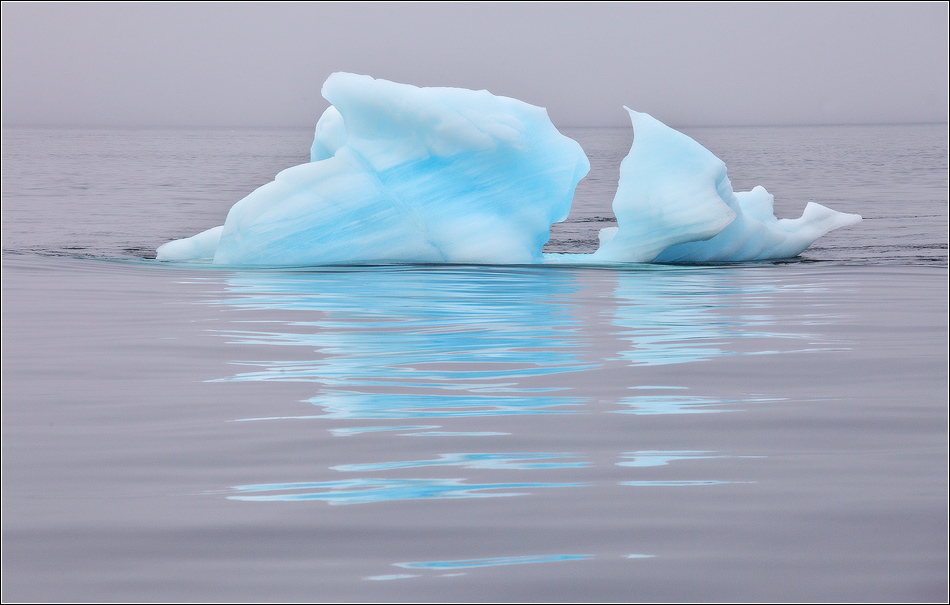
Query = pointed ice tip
x=633 y=117
x=641 y=118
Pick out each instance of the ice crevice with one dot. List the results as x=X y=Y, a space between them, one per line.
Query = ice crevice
x=402 y=174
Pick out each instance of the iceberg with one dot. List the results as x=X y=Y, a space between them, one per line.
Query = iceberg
x=404 y=174
x=675 y=204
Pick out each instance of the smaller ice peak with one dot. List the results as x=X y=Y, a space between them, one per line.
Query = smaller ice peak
x=672 y=190
x=675 y=204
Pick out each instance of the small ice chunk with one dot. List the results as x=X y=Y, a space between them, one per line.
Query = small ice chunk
x=672 y=190
x=674 y=203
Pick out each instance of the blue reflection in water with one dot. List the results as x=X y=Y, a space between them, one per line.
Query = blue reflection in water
x=418 y=342
x=422 y=342
x=361 y=491
x=378 y=406
x=409 y=327
x=662 y=458
x=481 y=461
x=350 y=405
x=652 y=458
x=680 y=404
x=696 y=314
x=413 y=343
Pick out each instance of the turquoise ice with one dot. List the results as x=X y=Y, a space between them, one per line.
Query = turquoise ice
x=675 y=203
x=402 y=174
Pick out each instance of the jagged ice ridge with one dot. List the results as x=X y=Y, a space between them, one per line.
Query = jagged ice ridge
x=402 y=174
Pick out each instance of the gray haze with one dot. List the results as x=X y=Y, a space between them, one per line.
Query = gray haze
x=263 y=65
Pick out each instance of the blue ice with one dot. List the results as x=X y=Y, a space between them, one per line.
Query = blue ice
x=674 y=203
x=405 y=174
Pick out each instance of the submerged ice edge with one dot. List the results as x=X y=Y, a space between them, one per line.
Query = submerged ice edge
x=401 y=174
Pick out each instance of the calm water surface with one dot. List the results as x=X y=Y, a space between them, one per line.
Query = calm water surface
x=759 y=431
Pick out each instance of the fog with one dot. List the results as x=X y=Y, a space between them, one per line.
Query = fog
x=262 y=65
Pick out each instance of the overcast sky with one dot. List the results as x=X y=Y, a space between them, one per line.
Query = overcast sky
x=155 y=64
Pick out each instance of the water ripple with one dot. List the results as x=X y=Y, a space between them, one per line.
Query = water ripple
x=684 y=404
x=362 y=491
x=662 y=458
x=469 y=563
x=521 y=461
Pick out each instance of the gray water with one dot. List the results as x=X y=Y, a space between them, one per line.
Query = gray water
x=757 y=431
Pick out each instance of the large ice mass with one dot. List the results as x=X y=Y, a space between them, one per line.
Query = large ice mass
x=407 y=174
x=448 y=175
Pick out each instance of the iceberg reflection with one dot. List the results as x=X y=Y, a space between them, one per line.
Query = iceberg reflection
x=660 y=458
x=389 y=405
x=484 y=350
x=676 y=317
x=361 y=491
x=403 y=342
x=682 y=404
x=523 y=461
x=438 y=342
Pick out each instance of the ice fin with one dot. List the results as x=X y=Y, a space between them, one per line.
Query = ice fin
x=672 y=190
x=674 y=203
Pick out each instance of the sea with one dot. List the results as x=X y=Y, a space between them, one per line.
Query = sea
x=768 y=431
